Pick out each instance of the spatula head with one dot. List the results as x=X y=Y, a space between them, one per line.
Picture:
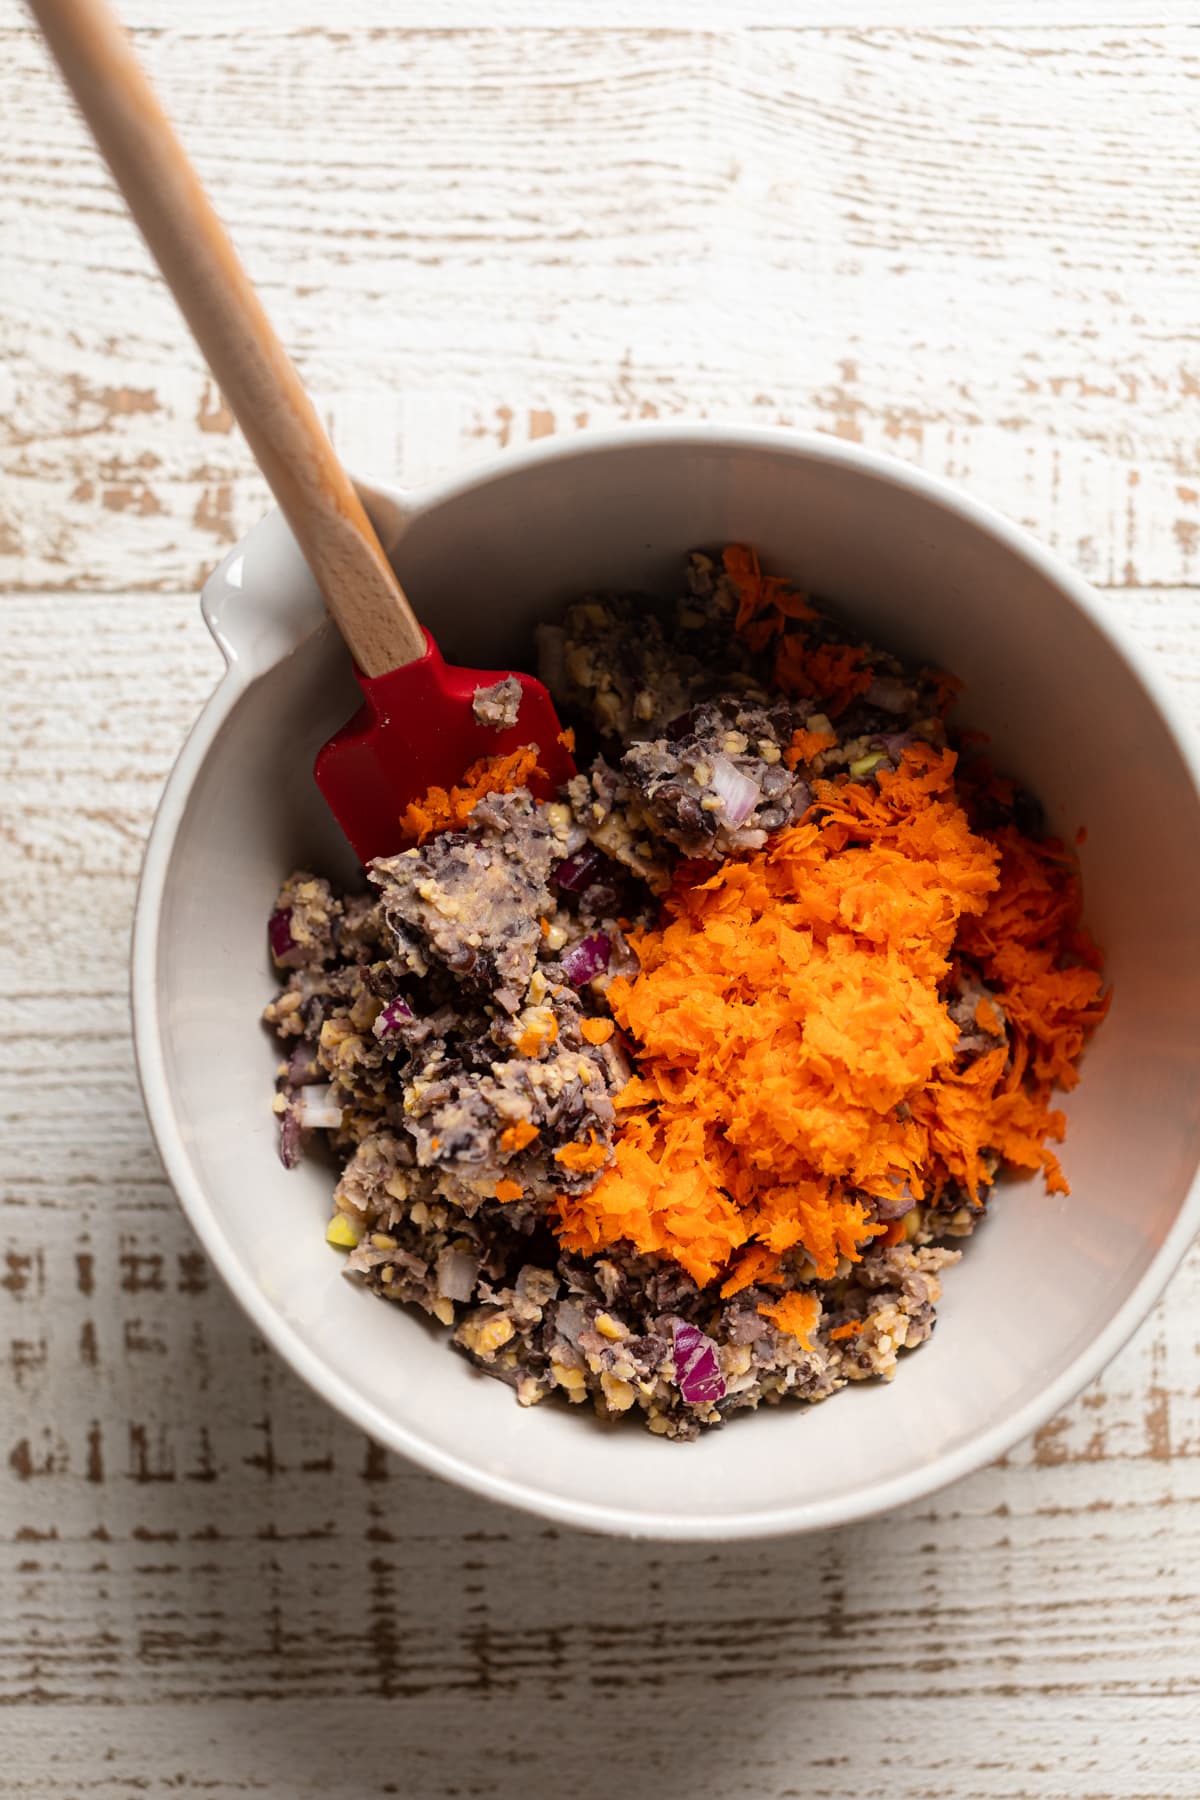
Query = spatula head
x=415 y=730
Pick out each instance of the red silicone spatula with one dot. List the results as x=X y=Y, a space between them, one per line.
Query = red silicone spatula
x=416 y=727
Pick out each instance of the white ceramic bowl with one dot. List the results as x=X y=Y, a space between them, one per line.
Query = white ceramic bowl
x=1047 y=1292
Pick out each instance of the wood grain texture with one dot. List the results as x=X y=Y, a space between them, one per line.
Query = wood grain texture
x=966 y=235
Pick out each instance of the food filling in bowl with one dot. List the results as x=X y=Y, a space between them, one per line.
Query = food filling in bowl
x=675 y=1093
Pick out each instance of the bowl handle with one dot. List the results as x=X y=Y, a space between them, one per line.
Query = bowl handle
x=261 y=602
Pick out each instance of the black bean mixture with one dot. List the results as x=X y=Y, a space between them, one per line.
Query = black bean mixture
x=443 y=1032
x=499 y=705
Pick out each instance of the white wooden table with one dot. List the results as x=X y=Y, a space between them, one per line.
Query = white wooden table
x=971 y=240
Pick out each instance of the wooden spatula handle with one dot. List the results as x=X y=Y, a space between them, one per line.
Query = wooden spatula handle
x=227 y=320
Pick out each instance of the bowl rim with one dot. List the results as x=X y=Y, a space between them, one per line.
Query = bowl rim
x=803 y=1516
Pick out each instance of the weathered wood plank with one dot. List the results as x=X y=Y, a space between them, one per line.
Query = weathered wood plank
x=965 y=248
x=966 y=235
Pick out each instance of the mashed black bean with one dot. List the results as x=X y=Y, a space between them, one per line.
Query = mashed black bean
x=446 y=1032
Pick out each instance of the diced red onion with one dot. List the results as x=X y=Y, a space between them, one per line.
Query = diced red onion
x=697 y=1371
x=587 y=959
x=896 y=1207
x=289 y=1139
x=316 y=1110
x=889 y=694
x=279 y=932
x=456 y=1273
x=740 y=794
x=394 y=1017
x=579 y=871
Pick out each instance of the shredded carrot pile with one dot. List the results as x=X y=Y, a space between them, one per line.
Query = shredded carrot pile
x=794 y=1049
x=756 y=1266
x=440 y=809
x=766 y=605
x=765 y=602
x=770 y=609
x=835 y=674
x=1032 y=951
